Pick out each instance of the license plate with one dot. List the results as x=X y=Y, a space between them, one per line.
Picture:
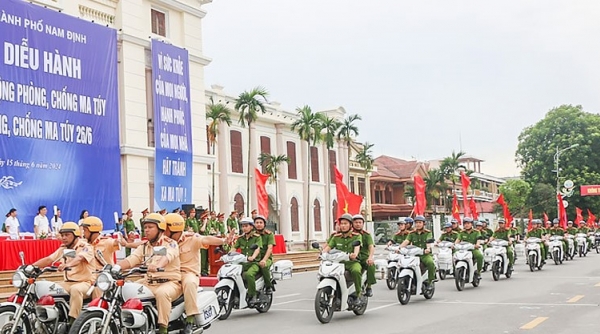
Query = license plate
x=208 y=313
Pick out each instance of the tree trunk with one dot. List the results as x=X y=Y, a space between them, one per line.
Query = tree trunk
x=248 y=177
x=212 y=197
x=308 y=201
x=277 y=202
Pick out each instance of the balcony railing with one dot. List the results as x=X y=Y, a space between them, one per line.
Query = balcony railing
x=478 y=194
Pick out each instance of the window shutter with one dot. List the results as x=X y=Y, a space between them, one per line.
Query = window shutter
x=237 y=157
x=291 y=153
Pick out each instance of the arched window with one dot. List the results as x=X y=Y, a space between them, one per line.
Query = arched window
x=334 y=210
x=317 y=215
x=294 y=215
x=238 y=204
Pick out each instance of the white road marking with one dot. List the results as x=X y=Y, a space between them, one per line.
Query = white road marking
x=380 y=307
x=513 y=304
x=292 y=310
x=292 y=301
x=290 y=295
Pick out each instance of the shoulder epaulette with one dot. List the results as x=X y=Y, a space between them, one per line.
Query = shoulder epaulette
x=355 y=233
x=167 y=239
x=265 y=231
x=337 y=234
x=426 y=230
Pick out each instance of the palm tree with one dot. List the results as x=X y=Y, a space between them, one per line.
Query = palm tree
x=216 y=113
x=308 y=128
x=450 y=167
x=248 y=104
x=347 y=131
x=365 y=159
x=271 y=163
x=435 y=186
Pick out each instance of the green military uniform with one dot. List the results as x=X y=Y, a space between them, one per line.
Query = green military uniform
x=472 y=236
x=586 y=230
x=400 y=236
x=572 y=230
x=488 y=232
x=449 y=236
x=363 y=256
x=215 y=227
x=268 y=238
x=419 y=239
x=343 y=242
x=232 y=224
x=457 y=229
x=539 y=233
x=193 y=224
x=244 y=243
x=558 y=231
x=142 y=227
x=204 y=266
x=129 y=226
x=504 y=234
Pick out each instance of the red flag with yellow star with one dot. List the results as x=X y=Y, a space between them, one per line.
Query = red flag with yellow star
x=455 y=209
x=348 y=202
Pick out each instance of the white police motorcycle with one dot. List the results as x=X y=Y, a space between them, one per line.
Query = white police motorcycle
x=443 y=259
x=500 y=265
x=582 y=244
x=464 y=267
x=556 y=246
x=393 y=258
x=336 y=290
x=412 y=278
x=534 y=253
x=571 y=251
x=597 y=242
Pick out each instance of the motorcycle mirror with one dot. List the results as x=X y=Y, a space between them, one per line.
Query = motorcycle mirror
x=315 y=245
x=159 y=251
x=430 y=241
x=356 y=243
x=448 y=239
x=69 y=253
x=101 y=257
x=254 y=247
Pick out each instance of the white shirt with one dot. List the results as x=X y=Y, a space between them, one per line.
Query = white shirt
x=56 y=224
x=12 y=227
x=42 y=224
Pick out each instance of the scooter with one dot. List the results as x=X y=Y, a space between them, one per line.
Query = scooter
x=571 y=251
x=488 y=258
x=412 y=279
x=582 y=244
x=597 y=242
x=336 y=290
x=500 y=265
x=556 y=245
x=231 y=289
x=392 y=266
x=534 y=253
x=465 y=271
x=443 y=259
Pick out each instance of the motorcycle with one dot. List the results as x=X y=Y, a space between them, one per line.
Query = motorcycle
x=534 y=253
x=131 y=306
x=231 y=290
x=597 y=242
x=488 y=258
x=392 y=266
x=336 y=290
x=582 y=244
x=571 y=251
x=412 y=279
x=464 y=269
x=500 y=265
x=443 y=259
x=556 y=245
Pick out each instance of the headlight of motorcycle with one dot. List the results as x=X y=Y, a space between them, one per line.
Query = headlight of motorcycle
x=104 y=282
x=18 y=279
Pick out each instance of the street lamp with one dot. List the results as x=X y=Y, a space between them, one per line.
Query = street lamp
x=556 y=161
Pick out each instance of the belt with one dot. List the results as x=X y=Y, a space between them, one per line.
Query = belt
x=158 y=280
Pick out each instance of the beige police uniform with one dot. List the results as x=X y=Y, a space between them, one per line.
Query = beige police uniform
x=164 y=285
x=189 y=253
x=108 y=247
x=78 y=280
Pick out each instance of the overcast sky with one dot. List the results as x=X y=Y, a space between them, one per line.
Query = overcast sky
x=422 y=74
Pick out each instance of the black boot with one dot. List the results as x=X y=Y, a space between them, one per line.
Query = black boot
x=369 y=292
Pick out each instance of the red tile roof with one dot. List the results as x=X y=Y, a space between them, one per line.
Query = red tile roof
x=395 y=168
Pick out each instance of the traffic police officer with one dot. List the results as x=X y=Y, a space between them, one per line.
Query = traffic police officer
x=78 y=279
x=367 y=251
x=266 y=251
x=420 y=237
x=164 y=284
x=92 y=227
x=251 y=268
x=472 y=236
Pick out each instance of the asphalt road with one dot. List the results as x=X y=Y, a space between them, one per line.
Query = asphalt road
x=558 y=299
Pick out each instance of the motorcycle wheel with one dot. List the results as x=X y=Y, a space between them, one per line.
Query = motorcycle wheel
x=442 y=274
x=509 y=271
x=227 y=306
x=6 y=314
x=458 y=279
x=403 y=292
x=532 y=262
x=361 y=310
x=428 y=291
x=324 y=305
x=496 y=270
x=597 y=249
x=391 y=279
x=580 y=251
x=476 y=280
x=264 y=307
x=91 y=322
x=485 y=267
x=555 y=258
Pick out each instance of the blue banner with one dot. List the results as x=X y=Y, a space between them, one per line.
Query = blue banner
x=59 y=131
x=172 y=126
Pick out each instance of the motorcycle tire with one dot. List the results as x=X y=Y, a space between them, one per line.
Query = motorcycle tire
x=597 y=249
x=555 y=258
x=86 y=319
x=403 y=292
x=496 y=270
x=391 y=280
x=9 y=312
x=264 y=307
x=226 y=294
x=459 y=281
x=476 y=280
x=580 y=252
x=442 y=274
x=532 y=262
x=509 y=272
x=485 y=267
x=363 y=307
x=324 y=305
x=428 y=291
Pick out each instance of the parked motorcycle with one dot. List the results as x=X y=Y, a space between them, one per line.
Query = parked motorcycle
x=392 y=266
x=500 y=264
x=582 y=244
x=412 y=279
x=443 y=259
x=336 y=290
x=465 y=271
x=556 y=245
x=534 y=253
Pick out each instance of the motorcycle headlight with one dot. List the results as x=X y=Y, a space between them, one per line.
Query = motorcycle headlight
x=104 y=282
x=18 y=279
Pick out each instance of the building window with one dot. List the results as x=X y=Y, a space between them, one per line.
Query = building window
x=291 y=153
x=159 y=22
x=378 y=196
x=332 y=164
x=352 y=184
x=294 y=215
x=334 y=210
x=317 y=215
x=265 y=147
x=361 y=186
x=149 y=107
x=314 y=164
x=237 y=157
x=238 y=204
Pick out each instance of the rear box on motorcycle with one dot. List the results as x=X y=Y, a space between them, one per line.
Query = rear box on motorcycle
x=208 y=305
x=282 y=270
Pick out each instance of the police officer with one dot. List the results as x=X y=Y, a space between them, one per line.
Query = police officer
x=449 y=234
x=251 y=268
x=409 y=224
x=232 y=222
x=455 y=226
x=420 y=237
x=472 y=236
x=539 y=232
x=219 y=225
x=401 y=235
x=503 y=234
x=189 y=256
x=343 y=241
x=556 y=230
x=583 y=228
x=266 y=251
x=204 y=227
x=129 y=227
x=78 y=279
x=164 y=284
x=488 y=231
x=572 y=230
x=367 y=252
x=92 y=227
x=191 y=223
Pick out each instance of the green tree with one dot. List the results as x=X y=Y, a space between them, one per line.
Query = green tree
x=347 y=132
x=364 y=157
x=451 y=166
x=560 y=128
x=217 y=113
x=248 y=105
x=542 y=198
x=435 y=186
x=516 y=194
x=272 y=164
x=308 y=127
